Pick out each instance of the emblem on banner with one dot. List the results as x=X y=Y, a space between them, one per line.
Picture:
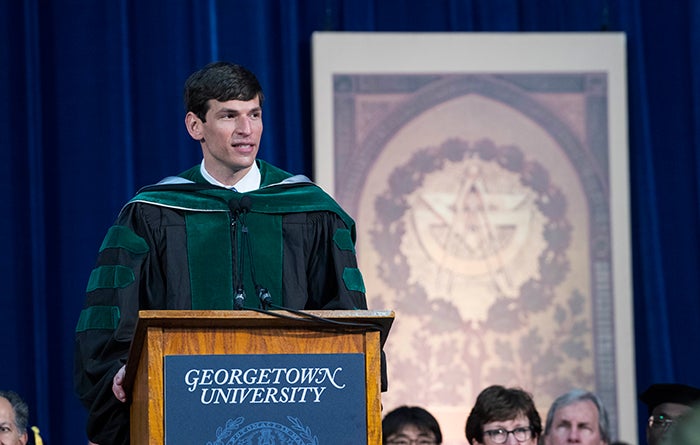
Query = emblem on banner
x=265 y=432
x=474 y=239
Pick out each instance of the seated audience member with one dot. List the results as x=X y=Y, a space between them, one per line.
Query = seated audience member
x=503 y=415
x=666 y=402
x=686 y=431
x=577 y=417
x=409 y=425
x=14 y=416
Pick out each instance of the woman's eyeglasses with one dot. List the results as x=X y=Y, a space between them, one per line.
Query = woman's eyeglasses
x=660 y=422
x=500 y=435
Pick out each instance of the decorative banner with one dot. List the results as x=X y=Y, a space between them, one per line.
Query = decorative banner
x=487 y=175
x=302 y=399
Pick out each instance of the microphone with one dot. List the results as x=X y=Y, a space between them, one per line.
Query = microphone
x=244 y=204
x=239 y=298
x=234 y=205
x=239 y=207
x=264 y=296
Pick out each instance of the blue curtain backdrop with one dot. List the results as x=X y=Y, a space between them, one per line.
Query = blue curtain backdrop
x=90 y=110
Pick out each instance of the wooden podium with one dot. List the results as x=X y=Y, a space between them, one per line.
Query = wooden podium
x=162 y=333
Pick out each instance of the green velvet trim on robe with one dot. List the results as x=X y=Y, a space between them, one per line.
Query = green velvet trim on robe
x=209 y=247
x=98 y=317
x=343 y=240
x=353 y=279
x=269 y=200
x=209 y=242
x=120 y=237
x=209 y=258
x=110 y=277
x=265 y=238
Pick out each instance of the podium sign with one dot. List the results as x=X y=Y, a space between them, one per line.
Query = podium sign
x=266 y=398
x=242 y=377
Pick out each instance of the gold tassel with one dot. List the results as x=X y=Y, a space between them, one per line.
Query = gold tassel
x=37 y=437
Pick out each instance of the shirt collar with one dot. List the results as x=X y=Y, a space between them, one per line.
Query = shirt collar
x=248 y=183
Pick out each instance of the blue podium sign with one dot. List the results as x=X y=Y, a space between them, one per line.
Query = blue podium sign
x=272 y=399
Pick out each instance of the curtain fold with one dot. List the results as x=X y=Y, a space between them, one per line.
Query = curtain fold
x=37 y=208
x=650 y=310
x=91 y=110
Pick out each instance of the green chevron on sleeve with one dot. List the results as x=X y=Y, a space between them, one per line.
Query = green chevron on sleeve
x=98 y=317
x=343 y=240
x=110 y=277
x=353 y=279
x=121 y=237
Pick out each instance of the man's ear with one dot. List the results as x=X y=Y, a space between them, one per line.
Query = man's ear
x=194 y=126
x=23 y=438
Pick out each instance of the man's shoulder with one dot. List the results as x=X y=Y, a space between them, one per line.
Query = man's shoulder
x=192 y=174
x=271 y=174
x=297 y=197
x=187 y=190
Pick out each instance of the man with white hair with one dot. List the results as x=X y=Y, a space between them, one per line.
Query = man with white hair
x=577 y=417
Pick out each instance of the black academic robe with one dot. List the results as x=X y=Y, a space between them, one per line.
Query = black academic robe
x=190 y=246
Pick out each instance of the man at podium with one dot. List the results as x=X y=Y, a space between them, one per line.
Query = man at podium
x=232 y=232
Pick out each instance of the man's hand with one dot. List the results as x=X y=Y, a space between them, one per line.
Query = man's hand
x=117 y=383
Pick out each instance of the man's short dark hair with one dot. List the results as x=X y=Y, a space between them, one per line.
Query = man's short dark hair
x=410 y=415
x=497 y=403
x=222 y=81
x=20 y=407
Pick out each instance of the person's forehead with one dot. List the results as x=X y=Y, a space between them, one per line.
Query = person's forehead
x=582 y=410
x=240 y=105
x=7 y=414
x=411 y=430
x=520 y=420
x=670 y=409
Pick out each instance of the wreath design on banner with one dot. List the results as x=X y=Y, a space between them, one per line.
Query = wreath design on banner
x=443 y=331
x=266 y=432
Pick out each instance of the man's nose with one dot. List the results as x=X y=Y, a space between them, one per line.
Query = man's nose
x=574 y=435
x=243 y=125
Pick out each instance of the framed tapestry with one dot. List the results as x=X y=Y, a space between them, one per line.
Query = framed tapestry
x=488 y=177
